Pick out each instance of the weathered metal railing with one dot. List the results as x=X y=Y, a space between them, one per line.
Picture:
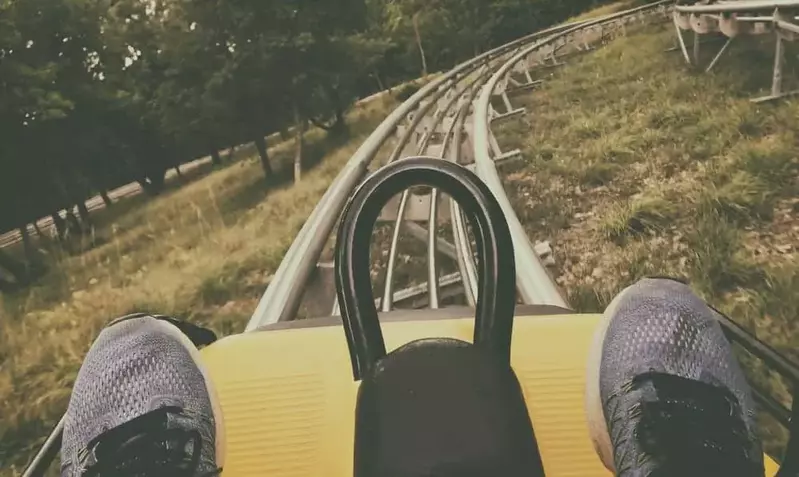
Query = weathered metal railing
x=743 y=17
x=533 y=280
x=282 y=298
x=536 y=282
x=768 y=403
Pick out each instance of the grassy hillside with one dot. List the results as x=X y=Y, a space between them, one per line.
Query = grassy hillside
x=204 y=251
x=634 y=166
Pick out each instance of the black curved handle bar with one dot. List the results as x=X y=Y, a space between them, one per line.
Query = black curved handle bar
x=496 y=300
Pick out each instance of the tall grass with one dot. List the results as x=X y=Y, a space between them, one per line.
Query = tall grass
x=635 y=166
x=204 y=252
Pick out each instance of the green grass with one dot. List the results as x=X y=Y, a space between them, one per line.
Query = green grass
x=741 y=198
x=203 y=251
x=635 y=165
x=647 y=214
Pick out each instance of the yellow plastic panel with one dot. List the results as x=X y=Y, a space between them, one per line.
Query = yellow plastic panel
x=289 y=400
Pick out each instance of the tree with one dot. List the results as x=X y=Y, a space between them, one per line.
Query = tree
x=95 y=94
x=29 y=99
x=13 y=268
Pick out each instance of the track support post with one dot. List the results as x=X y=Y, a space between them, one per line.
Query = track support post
x=681 y=40
x=696 y=48
x=718 y=55
x=781 y=36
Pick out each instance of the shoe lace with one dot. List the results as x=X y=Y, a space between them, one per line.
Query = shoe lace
x=145 y=447
x=691 y=429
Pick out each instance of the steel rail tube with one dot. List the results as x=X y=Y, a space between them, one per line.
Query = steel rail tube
x=387 y=301
x=763 y=19
x=432 y=270
x=460 y=235
x=281 y=300
x=783 y=24
x=44 y=458
x=422 y=113
x=787 y=26
x=432 y=263
x=387 y=304
x=410 y=293
x=464 y=250
x=533 y=281
x=736 y=7
x=282 y=297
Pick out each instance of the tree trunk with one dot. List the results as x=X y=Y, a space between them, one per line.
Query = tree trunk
x=339 y=127
x=106 y=200
x=14 y=268
x=263 y=154
x=85 y=218
x=379 y=81
x=73 y=225
x=419 y=43
x=216 y=159
x=60 y=225
x=154 y=183
x=31 y=256
x=177 y=171
x=44 y=237
x=68 y=195
x=299 y=124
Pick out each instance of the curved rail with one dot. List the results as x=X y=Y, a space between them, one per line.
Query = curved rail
x=538 y=281
x=739 y=6
x=282 y=298
x=388 y=287
x=735 y=19
x=533 y=280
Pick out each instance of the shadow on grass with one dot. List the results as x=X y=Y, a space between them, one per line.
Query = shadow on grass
x=259 y=188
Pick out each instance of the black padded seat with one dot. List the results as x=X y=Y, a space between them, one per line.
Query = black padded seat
x=445 y=408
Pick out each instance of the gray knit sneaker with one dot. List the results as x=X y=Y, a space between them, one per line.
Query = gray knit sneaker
x=665 y=396
x=142 y=405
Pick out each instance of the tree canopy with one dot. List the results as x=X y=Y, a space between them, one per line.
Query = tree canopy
x=98 y=93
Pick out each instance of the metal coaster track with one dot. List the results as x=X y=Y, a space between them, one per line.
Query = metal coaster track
x=450 y=118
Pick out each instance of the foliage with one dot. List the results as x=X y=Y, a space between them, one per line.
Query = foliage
x=95 y=94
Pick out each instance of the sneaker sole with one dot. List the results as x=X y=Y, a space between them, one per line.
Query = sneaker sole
x=220 y=438
x=595 y=414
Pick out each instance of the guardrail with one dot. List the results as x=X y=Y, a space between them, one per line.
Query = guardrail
x=282 y=298
x=789 y=371
x=736 y=18
x=538 y=283
x=534 y=282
